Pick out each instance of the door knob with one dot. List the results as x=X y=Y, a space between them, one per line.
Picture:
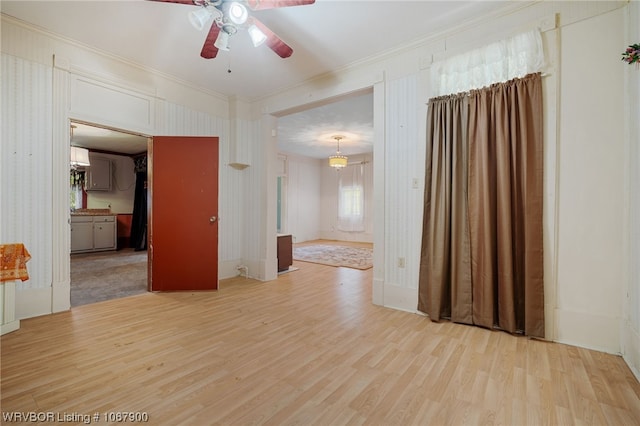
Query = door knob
x=212 y=219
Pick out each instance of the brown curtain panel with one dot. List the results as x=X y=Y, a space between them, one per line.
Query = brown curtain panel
x=503 y=212
x=445 y=266
x=505 y=205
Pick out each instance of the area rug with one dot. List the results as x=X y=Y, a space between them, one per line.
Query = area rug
x=349 y=257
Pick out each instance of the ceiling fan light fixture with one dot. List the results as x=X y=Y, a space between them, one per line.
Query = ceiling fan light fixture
x=199 y=18
x=222 y=41
x=257 y=36
x=237 y=13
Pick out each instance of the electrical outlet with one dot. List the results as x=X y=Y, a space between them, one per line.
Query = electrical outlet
x=401 y=262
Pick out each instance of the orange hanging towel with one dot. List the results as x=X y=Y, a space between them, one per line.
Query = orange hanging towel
x=13 y=262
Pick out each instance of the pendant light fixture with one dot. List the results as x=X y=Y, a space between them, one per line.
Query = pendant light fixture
x=79 y=157
x=338 y=161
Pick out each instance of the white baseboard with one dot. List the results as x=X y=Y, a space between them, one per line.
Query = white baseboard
x=8 y=321
x=9 y=327
x=587 y=330
x=33 y=302
x=256 y=269
x=401 y=298
x=229 y=268
x=631 y=348
x=61 y=296
x=378 y=292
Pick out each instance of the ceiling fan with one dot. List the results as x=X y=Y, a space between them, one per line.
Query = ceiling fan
x=231 y=15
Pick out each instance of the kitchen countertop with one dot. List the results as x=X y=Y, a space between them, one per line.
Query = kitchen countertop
x=92 y=212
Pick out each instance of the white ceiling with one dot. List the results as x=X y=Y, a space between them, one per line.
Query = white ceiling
x=103 y=139
x=325 y=36
x=311 y=133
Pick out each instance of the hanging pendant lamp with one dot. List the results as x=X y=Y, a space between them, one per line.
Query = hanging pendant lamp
x=338 y=161
x=79 y=157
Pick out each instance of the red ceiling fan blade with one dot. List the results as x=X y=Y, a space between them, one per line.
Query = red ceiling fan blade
x=209 y=50
x=273 y=41
x=272 y=4
x=189 y=2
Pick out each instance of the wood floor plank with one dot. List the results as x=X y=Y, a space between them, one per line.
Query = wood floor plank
x=308 y=348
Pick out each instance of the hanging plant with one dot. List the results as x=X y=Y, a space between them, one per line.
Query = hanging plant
x=632 y=54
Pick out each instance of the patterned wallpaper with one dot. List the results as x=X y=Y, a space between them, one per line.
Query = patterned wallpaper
x=25 y=159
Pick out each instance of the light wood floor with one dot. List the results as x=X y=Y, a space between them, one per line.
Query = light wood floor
x=307 y=348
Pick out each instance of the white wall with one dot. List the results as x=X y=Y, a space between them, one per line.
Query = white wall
x=257 y=248
x=304 y=200
x=25 y=166
x=630 y=341
x=591 y=183
x=403 y=191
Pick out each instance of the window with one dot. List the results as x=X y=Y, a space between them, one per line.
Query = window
x=351 y=202
x=351 y=199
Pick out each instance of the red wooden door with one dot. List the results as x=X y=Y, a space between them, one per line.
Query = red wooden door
x=183 y=225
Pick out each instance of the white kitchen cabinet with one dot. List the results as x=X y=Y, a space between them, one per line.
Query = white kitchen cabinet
x=81 y=233
x=99 y=175
x=93 y=233
x=104 y=233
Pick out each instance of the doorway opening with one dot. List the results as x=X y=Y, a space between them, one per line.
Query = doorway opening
x=108 y=258
x=308 y=189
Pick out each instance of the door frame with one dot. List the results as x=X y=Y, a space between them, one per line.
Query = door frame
x=70 y=121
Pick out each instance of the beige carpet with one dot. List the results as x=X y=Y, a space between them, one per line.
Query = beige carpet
x=349 y=257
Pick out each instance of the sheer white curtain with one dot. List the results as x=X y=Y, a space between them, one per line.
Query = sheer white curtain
x=351 y=199
x=504 y=60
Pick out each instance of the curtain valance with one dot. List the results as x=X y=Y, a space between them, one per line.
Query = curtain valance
x=501 y=61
